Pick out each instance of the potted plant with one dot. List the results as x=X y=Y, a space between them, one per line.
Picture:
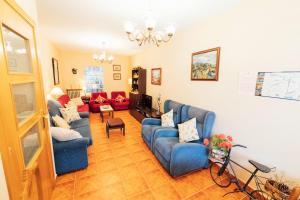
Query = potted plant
x=220 y=145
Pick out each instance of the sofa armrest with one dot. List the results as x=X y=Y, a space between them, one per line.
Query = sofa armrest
x=92 y=102
x=70 y=145
x=84 y=114
x=151 y=121
x=191 y=156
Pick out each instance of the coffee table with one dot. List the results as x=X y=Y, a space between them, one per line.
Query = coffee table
x=106 y=109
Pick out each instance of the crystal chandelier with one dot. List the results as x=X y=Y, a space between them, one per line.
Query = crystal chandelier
x=103 y=57
x=149 y=35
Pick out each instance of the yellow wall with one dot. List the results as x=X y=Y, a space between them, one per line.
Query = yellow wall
x=255 y=36
x=81 y=60
x=48 y=52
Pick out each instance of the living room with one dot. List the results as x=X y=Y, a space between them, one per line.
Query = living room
x=99 y=57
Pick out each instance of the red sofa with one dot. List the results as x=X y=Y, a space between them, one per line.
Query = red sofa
x=95 y=106
x=119 y=105
x=64 y=99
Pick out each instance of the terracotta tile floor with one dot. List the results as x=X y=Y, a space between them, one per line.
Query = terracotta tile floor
x=124 y=168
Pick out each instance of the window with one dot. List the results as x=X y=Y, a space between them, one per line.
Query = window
x=94 y=79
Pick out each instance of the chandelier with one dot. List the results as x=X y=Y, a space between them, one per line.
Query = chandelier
x=149 y=35
x=103 y=57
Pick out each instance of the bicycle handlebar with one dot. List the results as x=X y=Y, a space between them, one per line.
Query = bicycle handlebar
x=239 y=145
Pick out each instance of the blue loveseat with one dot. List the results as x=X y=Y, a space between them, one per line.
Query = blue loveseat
x=71 y=155
x=181 y=158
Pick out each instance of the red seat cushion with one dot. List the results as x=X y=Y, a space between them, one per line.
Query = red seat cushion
x=83 y=108
x=63 y=99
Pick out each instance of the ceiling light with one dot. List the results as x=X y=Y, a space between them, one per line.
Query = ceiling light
x=149 y=35
x=102 y=57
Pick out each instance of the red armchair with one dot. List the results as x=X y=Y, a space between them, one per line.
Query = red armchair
x=64 y=99
x=119 y=105
x=95 y=106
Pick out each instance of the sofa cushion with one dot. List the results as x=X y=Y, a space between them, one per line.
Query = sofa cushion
x=63 y=99
x=167 y=119
x=148 y=130
x=164 y=146
x=53 y=108
x=60 y=122
x=70 y=114
x=83 y=108
x=188 y=131
x=62 y=134
x=77 y=101
x=80 y=123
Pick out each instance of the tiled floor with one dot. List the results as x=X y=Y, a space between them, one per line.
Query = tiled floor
x=122 y=167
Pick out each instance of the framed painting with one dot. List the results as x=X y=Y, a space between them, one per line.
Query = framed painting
x=117 y=76
x=156 y=76
x=205 y=65
x=55 y=71
x=117 y=67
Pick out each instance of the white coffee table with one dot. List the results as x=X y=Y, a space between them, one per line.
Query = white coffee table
x=106 y=109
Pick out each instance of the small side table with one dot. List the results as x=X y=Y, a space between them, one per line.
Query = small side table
x=106 y=109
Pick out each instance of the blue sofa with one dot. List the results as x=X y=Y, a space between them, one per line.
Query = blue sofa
x=71 y=155
x=181 y=158
x=151 y=125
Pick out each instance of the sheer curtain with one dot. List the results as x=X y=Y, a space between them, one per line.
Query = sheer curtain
x=94 y=79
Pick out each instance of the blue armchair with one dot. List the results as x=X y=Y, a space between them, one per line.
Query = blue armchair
x=181 y=158
x=150 y=125
x=71 y=155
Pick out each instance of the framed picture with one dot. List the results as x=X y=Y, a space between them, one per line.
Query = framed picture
x=156 y=76
x=117 y=76
x=55 y=71
x=117 y=67
x=205 y=65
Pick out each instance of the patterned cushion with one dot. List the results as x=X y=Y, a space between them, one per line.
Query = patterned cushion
x=100 y=99
x=120 y=98
x=70 y=104
x=188 y=131
x=60 y=122
x=167 y=119
x=70 y=114
x=77 y=101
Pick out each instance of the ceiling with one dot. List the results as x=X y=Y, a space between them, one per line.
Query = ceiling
x=85 y=24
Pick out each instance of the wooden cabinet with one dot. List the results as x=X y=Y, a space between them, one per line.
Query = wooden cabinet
x=139 y=78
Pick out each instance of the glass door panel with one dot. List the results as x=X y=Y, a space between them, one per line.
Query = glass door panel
x=24 y=100
x=17 y=50
x=30 y=143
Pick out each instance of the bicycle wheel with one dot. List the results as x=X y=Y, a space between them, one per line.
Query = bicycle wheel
x=261 y=195
x=222 y=180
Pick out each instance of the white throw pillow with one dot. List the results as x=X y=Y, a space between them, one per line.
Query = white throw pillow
x=60 y=122
x=77 y=101
x=188 y=131
x=70 y=114
x=62 y=134
x=70 y=104
x=167 y=119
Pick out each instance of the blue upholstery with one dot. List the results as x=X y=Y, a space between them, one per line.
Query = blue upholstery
x=71 y=155
x=181 y=158
x=150 y=126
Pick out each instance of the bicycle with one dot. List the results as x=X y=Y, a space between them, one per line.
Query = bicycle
x=220 y=174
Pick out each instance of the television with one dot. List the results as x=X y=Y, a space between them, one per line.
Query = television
x=146 y=102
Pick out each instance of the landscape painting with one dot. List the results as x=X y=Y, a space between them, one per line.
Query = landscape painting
x=205 y=65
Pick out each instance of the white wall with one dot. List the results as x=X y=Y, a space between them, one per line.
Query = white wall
x=254 y=36
x=81 y=60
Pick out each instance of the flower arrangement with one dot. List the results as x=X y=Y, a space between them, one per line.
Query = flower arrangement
x=220 y=145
